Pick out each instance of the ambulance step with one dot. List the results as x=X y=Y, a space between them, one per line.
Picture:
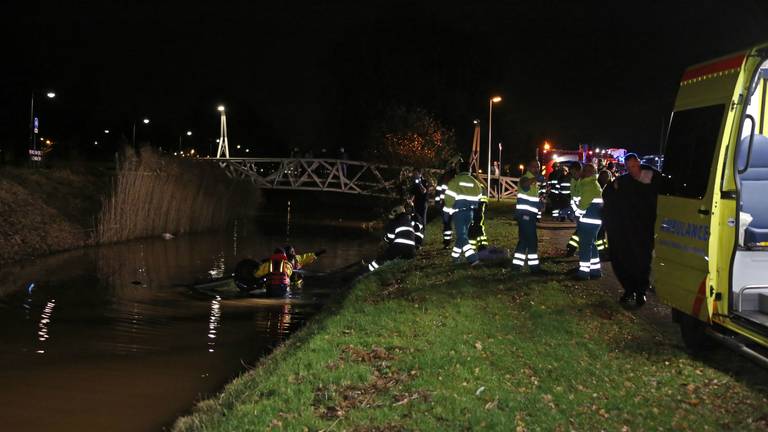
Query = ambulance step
x=762 y=302
x=736 y=344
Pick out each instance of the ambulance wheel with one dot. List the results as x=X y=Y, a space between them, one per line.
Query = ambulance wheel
x=694 y=333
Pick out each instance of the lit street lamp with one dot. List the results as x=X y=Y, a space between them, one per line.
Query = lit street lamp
x=145 y=120
x=33 y=124
x=181 y=137
x=492 y=101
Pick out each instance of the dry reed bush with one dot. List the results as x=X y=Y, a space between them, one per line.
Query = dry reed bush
x=154 y=194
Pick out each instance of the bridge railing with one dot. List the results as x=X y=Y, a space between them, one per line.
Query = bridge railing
x=337 y=175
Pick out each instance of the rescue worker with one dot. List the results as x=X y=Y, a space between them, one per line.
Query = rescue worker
x=573 y=242
x=299 y=261
x=420 y=191
x=461 y=198
x=589 y=211
x=564 y=187
x=553 y=190
x=604 y=178
x=419 y=226
x=526 y=212
x=399 y=236
x=447 y=176
x=278 y=271
x=477 y=237
x=630 y=217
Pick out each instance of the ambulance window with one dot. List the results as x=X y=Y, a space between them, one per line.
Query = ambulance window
x=691 y=143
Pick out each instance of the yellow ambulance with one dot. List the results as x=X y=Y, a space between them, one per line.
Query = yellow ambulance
x=711 y=254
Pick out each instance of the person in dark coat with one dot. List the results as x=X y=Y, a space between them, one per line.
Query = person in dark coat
x=629 y=215
x=420 y=190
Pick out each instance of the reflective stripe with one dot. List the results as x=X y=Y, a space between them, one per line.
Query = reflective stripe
x=518 y=262
x=448 y=210
x=465 y=184
x=399 y=229
x=420 y=235
x=469 y=253
x=533 y=256
x=390 y=235
x=405 y=241
x=467 y=247
x=590 y=221
x=597 y=201
x=564 y=184
x=519 y=255
x=527 y=197
x=534 y=262
x=527 y=207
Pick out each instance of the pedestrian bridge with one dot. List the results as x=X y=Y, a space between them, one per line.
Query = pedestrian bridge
x=336 y=175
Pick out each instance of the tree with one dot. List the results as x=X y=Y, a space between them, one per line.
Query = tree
x=412 y=137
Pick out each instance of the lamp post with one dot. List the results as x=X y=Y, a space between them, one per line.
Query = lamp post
x=145 y=120
x=32 y=125
x=188 y=133
x=492 y=101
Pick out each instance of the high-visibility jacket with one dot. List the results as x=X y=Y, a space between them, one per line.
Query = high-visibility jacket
x=463 y=193
x=591 y=203
x=565 y=185
x=553 y=182
x=528 y=199
x=274 y=265
x=575 y=195
x=440 y=190
x=399 y=231
x=300 y=261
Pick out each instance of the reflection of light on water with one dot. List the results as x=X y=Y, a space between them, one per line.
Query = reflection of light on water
x=217 y=270
x=45 y=320
x=214 y=322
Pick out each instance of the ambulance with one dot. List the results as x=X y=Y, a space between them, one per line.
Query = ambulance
x=711 y=254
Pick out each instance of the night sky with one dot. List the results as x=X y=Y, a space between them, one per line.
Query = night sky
x=318 y=74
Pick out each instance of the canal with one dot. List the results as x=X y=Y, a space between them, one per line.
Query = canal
x=109 y=338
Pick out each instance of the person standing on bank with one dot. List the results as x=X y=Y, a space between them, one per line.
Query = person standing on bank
x=589 y=211
x=448 y=175
x=461 y=198
x=630 y=217
x=526 y=213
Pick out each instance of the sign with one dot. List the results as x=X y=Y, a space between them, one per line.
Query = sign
x=36 y=155
x=36 y=124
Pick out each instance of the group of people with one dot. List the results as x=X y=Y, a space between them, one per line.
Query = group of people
x=620 y=209
x=609 y=209
x=276 y=274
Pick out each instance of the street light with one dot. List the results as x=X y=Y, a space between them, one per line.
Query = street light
x=188 y=133
x=220 y=108
x=492 y=101
x=32 y=125
x=145 y=120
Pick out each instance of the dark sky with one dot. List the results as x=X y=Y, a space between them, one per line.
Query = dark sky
x=317 y=74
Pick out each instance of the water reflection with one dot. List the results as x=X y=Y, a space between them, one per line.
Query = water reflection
x=45 y=321
x=214 y=322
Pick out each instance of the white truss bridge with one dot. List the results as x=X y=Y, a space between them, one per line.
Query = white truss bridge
x=336 y=175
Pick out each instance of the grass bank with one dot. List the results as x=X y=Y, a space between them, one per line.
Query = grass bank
x=49 y=210
x=426 y=345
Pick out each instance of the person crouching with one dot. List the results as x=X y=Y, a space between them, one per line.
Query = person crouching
x=400 y=237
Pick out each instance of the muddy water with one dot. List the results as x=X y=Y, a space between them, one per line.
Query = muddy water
x=106 y=339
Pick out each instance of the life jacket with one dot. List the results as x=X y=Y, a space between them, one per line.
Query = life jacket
x=278 y=270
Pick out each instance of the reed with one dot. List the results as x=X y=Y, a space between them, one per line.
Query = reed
x=154 y=194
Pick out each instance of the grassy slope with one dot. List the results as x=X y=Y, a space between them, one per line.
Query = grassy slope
x=431 y=346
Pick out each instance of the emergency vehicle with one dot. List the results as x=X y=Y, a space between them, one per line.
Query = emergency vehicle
x=711 y=252
x=584 y=154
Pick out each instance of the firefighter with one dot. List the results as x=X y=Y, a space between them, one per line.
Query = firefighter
x=589 y=211
x=399 y=236
x=553 y=190
x=461 y=198
x=564 y=187
x=419 y=227
x=420 y=191
x=573 y=242
x=447 y=176
x=526 y=213
x=477 y=237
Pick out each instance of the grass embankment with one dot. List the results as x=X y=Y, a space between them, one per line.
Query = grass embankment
x=427 y=345
x=49 y=210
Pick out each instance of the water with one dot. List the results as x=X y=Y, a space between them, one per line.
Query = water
x=105 y=338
